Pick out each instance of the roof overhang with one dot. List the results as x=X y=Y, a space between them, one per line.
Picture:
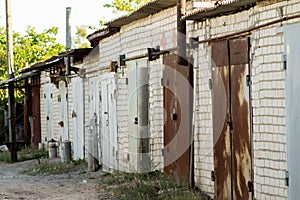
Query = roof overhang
x=143 y=12
x=5 y=83
x=222 y=8
x=98 y=35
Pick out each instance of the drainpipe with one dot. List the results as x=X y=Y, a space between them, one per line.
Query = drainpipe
x=181 y=33
x=68 y=39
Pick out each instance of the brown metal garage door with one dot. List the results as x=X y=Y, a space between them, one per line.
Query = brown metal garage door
x=231 y=120
x=177 y=126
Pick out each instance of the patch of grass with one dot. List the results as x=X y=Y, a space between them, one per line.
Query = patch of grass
x=46 y=167
x=24 y=154
x=5 y=157
x=152 y=185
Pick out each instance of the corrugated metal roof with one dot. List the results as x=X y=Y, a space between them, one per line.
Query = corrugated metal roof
x=145 y=11
x=19 y=78
x=221 y=8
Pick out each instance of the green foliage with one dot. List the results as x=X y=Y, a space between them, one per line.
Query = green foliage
x=24 y=154
x=153 y=185
x=126 y=6
x=80 y=40
x=30 y=48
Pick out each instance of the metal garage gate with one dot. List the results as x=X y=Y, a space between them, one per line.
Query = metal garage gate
x=231 y=120
x=177 y=99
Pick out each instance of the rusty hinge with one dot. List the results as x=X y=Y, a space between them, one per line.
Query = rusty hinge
x=250 y=186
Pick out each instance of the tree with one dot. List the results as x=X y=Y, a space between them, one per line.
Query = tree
x=126 y=6
x=80 y=40
x=30 y=48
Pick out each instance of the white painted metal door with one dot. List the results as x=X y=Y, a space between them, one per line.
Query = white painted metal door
x=77 y=118
x=108 y=126
x=94 y=112
x=138 y=115
x=292 y=51
x=49 y=112
x=63 y=111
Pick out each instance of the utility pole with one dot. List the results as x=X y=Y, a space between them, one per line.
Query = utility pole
x=11 y=95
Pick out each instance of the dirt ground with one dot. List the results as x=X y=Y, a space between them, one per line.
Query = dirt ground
x=72 y=185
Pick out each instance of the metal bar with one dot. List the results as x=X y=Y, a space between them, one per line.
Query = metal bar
x=248 y=30
x=181 y=33
x=145 y=55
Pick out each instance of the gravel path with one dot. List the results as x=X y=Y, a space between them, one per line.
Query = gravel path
x=72 y=185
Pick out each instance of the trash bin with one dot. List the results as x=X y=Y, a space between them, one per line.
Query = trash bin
x=66 y=151
x=52 y=150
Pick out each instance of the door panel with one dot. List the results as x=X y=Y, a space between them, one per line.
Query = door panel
x=231 y=120
x=138 y=115
x=49 y=111
x=177 y=102
x=63 y=111
x=292 y=89
x=77 y=118
x=108 y=120
x=36 y=111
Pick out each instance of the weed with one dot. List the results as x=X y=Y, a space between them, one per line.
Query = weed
x=153 y=185
x=46 y=167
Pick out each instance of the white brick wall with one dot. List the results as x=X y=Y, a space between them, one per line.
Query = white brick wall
x=156 y=114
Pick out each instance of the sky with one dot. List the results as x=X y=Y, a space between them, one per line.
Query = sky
x=44 y=14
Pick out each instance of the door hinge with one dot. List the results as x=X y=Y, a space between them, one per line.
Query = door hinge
x=287 y=178
x=126 y=79
x=210 y=83
x=250 y=186
x=248 y=80
x=284 y=62
x=212 y=176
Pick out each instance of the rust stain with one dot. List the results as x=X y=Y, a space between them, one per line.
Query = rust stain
x=231 y=119
x=241 y=133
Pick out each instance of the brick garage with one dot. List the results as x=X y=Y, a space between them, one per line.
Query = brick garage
x=267 y=25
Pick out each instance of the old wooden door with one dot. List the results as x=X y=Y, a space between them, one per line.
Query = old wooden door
x=138 y=94
x=49 y=110
x=77 y=118
x=177 y=96
x=231 y=120
x=63 y=111
x=108 y=125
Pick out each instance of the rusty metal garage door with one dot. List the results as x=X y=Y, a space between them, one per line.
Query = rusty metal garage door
x=231 y=120
x=177 y=127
